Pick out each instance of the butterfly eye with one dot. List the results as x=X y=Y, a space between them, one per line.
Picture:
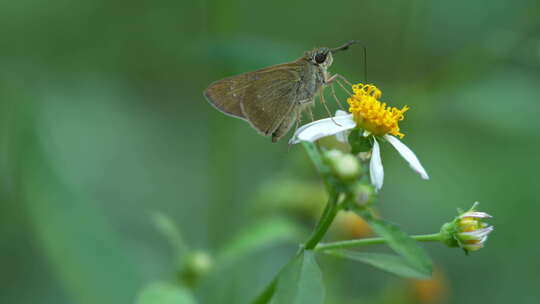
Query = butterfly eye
x=320 y=58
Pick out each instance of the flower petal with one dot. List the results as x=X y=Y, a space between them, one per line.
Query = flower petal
x=475 y=214
x=322 y=128
x=408 y=155
x=344 y=135
x=376 y=170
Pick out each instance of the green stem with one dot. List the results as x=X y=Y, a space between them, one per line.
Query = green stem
x=331 y=207
x=265 y=296
x=326 y=220
x=435 y=237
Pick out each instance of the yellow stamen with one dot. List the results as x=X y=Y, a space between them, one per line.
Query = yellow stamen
x=373 y=115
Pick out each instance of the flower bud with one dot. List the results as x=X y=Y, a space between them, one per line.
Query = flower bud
x=195 y=265
x=467 y=230
x=345 y=167
x=365 y=194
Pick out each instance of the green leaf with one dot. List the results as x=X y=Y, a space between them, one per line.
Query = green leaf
x=300 y=282
x=263 y=234
x=239 y=254
x=74 y=234
x=401 y=243
x=165 y=293
x=387 y=262
x=358 y=142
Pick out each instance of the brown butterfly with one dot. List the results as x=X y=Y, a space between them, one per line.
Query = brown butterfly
x=272 y=99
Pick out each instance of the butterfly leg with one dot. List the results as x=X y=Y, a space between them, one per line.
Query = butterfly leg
x=336 y=78
x=343 y=87
x=307 y=103
x=323 y=101
x=344 y=79
x=335 y=97
x=298 y=121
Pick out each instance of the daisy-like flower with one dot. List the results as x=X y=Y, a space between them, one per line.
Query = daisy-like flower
x=467 y=230
x=379 y=122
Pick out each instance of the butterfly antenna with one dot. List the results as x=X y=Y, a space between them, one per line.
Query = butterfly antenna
x=346 y=46
x=365 y=65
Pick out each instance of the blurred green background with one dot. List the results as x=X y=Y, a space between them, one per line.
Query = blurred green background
x=103 y=124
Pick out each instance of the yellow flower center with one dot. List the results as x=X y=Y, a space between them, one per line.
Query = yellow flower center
x=470 y=224
x=373 y=115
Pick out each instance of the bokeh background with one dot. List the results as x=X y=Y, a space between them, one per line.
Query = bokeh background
x=107 y=143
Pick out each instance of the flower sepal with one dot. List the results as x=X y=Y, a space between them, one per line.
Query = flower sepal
x=364 y=195
x=358 y=142
x=448 y=231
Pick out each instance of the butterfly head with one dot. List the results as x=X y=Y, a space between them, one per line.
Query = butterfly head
x=320 y=56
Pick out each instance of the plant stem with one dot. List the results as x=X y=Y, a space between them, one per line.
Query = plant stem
x=324 y=223
x=333 y=195
x=265 y=296
x=435 y=237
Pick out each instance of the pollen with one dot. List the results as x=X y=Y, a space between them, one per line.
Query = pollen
x=373 y=115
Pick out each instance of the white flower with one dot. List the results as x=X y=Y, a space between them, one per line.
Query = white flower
x=339 y=125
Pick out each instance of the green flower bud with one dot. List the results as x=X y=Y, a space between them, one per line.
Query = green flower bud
x=195 y=265
x=365 y=194
x=346 y=167
x=467 y=230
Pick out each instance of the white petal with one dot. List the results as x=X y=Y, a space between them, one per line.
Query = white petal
x=322 y=128
x=479 y=234
x=484 y=239
x=475 y=214
x=344 y=135
x=408 y=155
x=376 y=170
x=341 y=113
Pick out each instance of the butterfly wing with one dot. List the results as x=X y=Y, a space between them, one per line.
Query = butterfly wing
x=264 y=97
x=226 y=94
x=272 y=97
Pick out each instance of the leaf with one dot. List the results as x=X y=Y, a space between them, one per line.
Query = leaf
x=358 y=142
x=82 y=248
x=300 y=282
x=387 y=262
x=240 y=256
x=401 y=243
x=165 y=293
x=263 y=234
